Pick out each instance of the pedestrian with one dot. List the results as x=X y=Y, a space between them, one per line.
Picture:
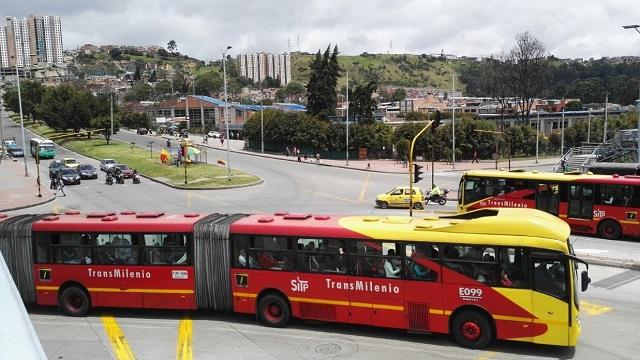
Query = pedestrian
x=168 y=144
x=286 y=151
x=178 y=160
x=205 y=139
x=299 y=158
x=59 y=187
x=318 y=157
x=305 y=156
x=475 y=157
x=221 y=141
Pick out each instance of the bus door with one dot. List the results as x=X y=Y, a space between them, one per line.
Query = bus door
x=551 y=298
x=548 y=197
x=580 y=201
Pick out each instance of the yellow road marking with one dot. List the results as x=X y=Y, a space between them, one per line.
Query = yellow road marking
x=364 y=188
x=117 y=339
x=487 y=355
x=594 y=309
x=330 y=196
x=185 y=340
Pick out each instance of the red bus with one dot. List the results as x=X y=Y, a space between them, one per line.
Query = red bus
x=604 y=205
x=493 y=273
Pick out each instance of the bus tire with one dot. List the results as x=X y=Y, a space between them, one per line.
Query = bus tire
x=472 y=329
x=74 y=301
x=417 y=206
x=384 y=205
x=609 y=229
x=274 y=311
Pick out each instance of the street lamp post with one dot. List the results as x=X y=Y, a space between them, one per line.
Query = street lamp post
x=635 y=27
x=226 y=109
x=24 y=144
x=261 y=125
x=537 y=134
x=347 y=118
x=606 y=116
x=453 y=117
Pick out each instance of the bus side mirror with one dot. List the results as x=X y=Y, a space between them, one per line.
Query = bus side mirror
x=584 y=280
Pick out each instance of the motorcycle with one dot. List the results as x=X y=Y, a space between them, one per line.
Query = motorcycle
x=437 y=198
x=119 y=179
x=109 y=180
x=136 y=178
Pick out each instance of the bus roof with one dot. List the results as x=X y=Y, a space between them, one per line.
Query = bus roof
x=557 y=177
x=125 y=221
x=504 y=226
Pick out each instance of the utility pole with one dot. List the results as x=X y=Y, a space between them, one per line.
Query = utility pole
x=537 y=134
x=347 y=118
x=24 y=144
x=562 y=135
x=589 y=127
x=226 y=110
x=111 y=98
x=606 y=116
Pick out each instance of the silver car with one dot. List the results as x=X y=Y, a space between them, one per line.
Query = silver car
x=106 y=164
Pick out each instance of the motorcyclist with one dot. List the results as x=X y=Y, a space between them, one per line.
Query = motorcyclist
x=109 y=179
x=135 y=179
x=435 y=191
x=118 y=175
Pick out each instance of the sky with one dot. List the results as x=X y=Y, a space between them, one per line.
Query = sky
x=203 y=29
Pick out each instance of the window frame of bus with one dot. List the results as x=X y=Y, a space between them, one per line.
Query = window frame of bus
x=634 y=200
x=47 y=255
x=547 y=256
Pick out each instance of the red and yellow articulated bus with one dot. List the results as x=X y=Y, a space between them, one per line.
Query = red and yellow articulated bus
x=489 y=274
x=604 y=205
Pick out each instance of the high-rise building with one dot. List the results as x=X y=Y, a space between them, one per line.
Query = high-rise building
x=259 y=66
x=31 y=42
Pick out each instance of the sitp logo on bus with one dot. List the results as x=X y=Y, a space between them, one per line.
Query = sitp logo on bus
x=299 y=285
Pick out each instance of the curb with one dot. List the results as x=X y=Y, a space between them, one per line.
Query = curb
x=30 y=205
x=624 y=264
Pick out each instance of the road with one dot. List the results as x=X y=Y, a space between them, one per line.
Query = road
x=612 y=302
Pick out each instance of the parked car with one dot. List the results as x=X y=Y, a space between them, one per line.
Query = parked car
x=127 y=173
x=70 y=176
x=15 y=152
x=54 y=167
x=88 y=171
x=71 y=162
x=213 y=134
x=142 y=131
x=106 y=164
x=399 y=197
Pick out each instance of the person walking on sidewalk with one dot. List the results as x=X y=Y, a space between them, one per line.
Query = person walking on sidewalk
x=475 y=157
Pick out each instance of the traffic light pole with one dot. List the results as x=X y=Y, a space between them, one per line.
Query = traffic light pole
x=413 y=142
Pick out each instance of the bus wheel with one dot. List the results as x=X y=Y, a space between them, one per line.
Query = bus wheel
x=384 y=205
x=74 y=301
x=274 y=311
x=609 y=229
x=417 y=206
x=472 y=329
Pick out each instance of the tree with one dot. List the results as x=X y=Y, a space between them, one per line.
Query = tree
x=172 y=46
x=137 y=76
x=399 y=94
x=527 y=71
x=362 y=106
x=115 y=53
x=270 y=82
x=321 y=89
x=163 y=53
x=208 y=83
x=140 y=91
x=164 y=87
x=104 y=122
x=134 y=120
x=153 y=77
x=573 y=106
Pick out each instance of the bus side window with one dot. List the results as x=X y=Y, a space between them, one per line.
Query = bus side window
x=549 y=277
x=420 y=260
x=513 y=268
x=241 y=257
x=42 y=247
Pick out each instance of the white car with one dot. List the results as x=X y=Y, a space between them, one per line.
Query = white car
x=106 y=164
x=213 y=134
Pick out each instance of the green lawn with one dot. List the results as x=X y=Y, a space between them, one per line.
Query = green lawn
x=199 y=176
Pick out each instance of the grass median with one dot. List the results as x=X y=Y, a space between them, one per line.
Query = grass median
x=199 y=175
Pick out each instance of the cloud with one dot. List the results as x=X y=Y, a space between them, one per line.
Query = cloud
x=203 y=29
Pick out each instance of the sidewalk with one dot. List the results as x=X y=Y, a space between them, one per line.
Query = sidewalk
x=18 y=191
x=384 y=166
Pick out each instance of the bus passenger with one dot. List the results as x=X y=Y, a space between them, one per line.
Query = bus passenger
x=390 y=270
x=267 y=261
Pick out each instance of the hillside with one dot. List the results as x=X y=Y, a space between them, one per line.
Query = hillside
x=387 y=69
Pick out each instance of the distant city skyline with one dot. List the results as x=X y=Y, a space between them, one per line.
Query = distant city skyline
x=203 y=29
x=31 y=41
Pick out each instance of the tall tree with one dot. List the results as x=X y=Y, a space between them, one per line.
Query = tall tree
x=172 y=46
x=362 y=106
x=321 y=88
x=527 y=71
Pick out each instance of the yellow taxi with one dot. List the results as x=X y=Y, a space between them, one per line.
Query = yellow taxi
x=399 y=197
x=70 y=163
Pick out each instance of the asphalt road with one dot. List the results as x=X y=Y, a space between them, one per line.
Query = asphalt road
x=612 y=303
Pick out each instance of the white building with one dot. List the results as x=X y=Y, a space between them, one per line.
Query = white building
x=259 y=66
x=34 y=41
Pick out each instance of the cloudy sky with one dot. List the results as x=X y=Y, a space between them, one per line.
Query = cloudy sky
x=203 y=29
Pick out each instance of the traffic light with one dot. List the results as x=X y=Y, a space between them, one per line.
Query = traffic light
x=417 y=171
